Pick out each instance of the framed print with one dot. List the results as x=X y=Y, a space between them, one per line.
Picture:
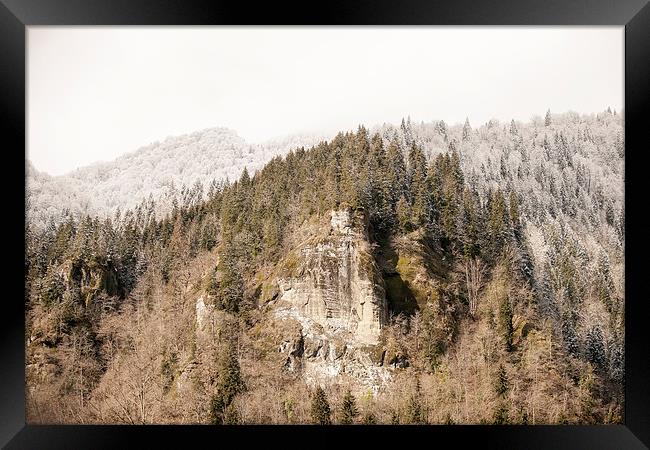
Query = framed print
x=377 y=221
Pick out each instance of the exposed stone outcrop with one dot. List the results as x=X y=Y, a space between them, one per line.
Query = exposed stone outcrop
x=334 y=292
x=321 y=356
x=90 y=279
x=203 y=314
x=336 y=283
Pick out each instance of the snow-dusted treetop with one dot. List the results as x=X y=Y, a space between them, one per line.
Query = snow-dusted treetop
x=158 y=170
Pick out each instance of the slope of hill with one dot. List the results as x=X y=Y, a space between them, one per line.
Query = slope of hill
x=423 y=274
x=157 y=171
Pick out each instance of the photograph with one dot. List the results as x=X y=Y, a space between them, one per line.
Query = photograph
x=330 y=225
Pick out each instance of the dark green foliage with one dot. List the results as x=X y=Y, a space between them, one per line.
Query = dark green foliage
x=320 y=408
x=403 y=212
x=501 y=414
x=395 y=172
x=523 y=416
x=228 y=384
x=349 y=409
x=52 y=288
x=229 y=290
x=569 y=335
x=231 y=416
x=369 y=419
x=595 y=347
x=419 y=192
x=168 y=369
x=501 y=384
x=617 y=358
x=498 y=223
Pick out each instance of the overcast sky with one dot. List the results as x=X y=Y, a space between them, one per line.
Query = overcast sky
x=96 y=93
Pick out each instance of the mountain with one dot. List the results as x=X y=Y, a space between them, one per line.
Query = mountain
x=158 y=171
x=419 y=273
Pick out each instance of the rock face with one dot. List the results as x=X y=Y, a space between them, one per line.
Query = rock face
x=203 y=314
x=90 y=278
x=334 y=295
x=336 y=282
x=321 y=356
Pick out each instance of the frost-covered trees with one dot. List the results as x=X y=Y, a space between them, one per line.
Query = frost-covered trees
x=540 y=203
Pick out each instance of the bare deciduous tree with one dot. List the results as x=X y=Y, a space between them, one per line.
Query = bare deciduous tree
x=474 y=270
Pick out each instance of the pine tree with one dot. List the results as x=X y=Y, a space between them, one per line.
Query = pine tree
x=513 y=128
x=501 y=414
x=396 y=172
x=229 y=383
x=442 y=129
x=595 y=347
x=501 y=384
x=418 y=189
x=497 y=222
x=513 y=209
x=320 y=408
x=547 y=119
x=617 y=357
x=569 y=335
x=403 y=212
x=467 y=130
x=349 y=409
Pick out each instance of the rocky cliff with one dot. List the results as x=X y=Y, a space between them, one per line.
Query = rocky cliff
x=336 y=283
x=331 y=293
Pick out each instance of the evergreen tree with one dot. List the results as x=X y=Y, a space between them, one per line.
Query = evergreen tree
x=569 y=335
x=442 y=129
x=547 y=119
x=595 y=347
x=403 y=212
x=513 y=128
x=617 y=358
x=501 y=385
x=501 y=414
x=497 y=222
x=228 y=384
x=396 y=172
x=320 y=408
x=467 y=130
x=418 y=189
x=349 y=409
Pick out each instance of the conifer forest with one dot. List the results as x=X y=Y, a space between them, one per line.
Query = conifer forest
x=415 y=273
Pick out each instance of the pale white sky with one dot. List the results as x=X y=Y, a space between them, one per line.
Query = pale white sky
x=95 y=93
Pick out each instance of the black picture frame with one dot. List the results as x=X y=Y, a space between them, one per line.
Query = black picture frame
x=16 y=15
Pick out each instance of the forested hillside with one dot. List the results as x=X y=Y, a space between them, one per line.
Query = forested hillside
x=162 y=172
x=412 y=274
